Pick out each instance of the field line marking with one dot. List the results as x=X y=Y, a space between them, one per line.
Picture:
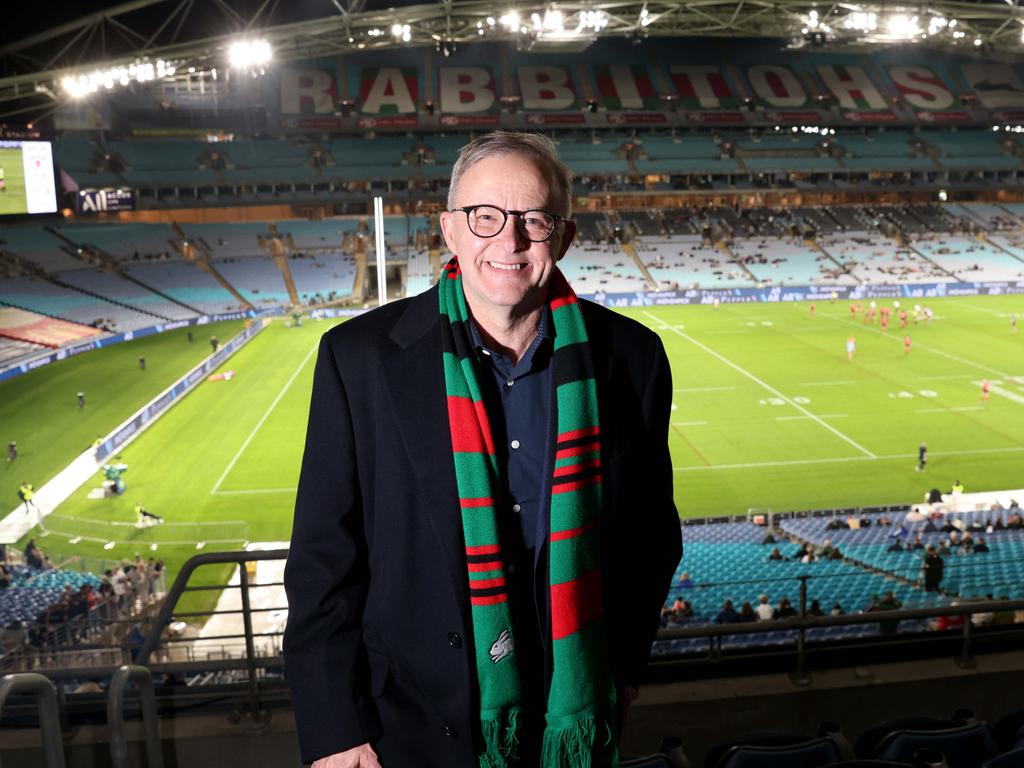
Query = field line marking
x=823 y=416
x=263 y=418
x=705 y=389
x=836 y=383
x=770 y=388
x=257 y=490
x=947 y=410
x=918 y=345
x=804 y=462
x=1003 y=393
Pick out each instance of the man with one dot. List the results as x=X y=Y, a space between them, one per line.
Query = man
x=922 y=457
x=25 y=492
x=81 y=400
x=144 y=518
x=12 y=450
x=484 y=530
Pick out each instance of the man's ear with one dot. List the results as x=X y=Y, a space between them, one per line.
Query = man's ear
x=447 y=220
x=568 y=235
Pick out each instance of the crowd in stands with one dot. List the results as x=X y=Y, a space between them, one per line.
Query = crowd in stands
x=46 y=609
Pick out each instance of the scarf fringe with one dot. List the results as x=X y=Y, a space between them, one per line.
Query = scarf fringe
x=575 y=745
x=501 y=739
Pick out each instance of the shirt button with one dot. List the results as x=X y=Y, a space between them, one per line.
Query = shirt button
x=510 y=382
x=515 y=445
x=454 y=639
x=447 y=730
x=517 y=508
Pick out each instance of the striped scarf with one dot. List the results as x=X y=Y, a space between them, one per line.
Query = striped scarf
x=581 y=702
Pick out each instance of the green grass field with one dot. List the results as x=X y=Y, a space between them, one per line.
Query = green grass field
x=12 y=198
x=768 y=413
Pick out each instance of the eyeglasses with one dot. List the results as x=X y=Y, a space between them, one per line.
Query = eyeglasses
x=487 y=221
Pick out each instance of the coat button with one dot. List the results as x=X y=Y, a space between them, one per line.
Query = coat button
x=447 y=730
x=454 y=639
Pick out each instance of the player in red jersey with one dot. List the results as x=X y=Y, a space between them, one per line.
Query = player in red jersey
x=903 y=318
x=885 y=322
x=906 y=344
x=812 y=310
x=984 y=389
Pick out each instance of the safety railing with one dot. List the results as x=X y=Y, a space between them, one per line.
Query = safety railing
x=254 y=663
x=46 y=706
x=143 y=679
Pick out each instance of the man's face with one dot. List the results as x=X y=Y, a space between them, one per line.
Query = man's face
x=506 y=272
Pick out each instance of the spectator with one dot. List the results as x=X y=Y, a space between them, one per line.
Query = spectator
x=981 y=546
x=933 y=568
x=33 y=556
x=747 y=614
x=785 y=609
x=889 y=603
x=776 y=554
x=815 y=609
x=764 y=609
x=950 y=622
x=685 y=582
x=727 y=615
x=837 y=610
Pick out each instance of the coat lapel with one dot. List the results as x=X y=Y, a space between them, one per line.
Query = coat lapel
x=415 y=380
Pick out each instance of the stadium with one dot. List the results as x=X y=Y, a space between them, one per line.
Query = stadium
x=817 y=207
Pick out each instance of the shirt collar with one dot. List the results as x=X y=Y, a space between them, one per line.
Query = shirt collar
x=544 y=331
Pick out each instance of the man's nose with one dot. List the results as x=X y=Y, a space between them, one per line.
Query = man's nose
x=512 y=236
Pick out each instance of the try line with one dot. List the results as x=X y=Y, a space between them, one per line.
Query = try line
x=263 y=418
x=845 y=459
x=770 y=388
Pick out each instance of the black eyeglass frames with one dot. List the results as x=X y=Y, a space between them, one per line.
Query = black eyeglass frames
x=488 y=221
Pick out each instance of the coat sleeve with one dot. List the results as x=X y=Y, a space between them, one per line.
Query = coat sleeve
x=648 y=539
x=326 y=580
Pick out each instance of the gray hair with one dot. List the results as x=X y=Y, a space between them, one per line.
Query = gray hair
x=537 y=148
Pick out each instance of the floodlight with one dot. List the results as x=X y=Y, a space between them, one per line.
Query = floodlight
x=243 y=54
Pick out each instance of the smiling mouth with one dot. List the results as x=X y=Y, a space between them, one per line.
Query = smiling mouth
x=506 y=267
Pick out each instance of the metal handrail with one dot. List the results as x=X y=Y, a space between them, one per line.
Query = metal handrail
x=46 y=704
x=180 y=585
x=115 y=715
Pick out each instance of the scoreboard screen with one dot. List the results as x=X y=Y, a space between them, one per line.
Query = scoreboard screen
x=27 y=184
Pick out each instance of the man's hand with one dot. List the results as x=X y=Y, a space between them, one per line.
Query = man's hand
x=362 y=756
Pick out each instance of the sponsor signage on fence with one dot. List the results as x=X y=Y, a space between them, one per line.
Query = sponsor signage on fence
x=175 y=392
x=103 y=200
x=805 y=293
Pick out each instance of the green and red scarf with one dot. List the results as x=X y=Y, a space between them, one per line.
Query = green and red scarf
x=582 y=702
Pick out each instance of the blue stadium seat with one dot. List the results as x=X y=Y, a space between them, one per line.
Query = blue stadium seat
x=1013 y=759
x=966 y=746
x=810 y=754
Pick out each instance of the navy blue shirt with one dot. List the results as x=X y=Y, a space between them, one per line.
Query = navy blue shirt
x=519 y=400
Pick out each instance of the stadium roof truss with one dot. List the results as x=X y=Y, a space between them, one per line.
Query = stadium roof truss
x=177 y=32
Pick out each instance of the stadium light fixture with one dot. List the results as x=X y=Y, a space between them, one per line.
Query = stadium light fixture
x=243 y=54
x=510 y=20
x=139 y=71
